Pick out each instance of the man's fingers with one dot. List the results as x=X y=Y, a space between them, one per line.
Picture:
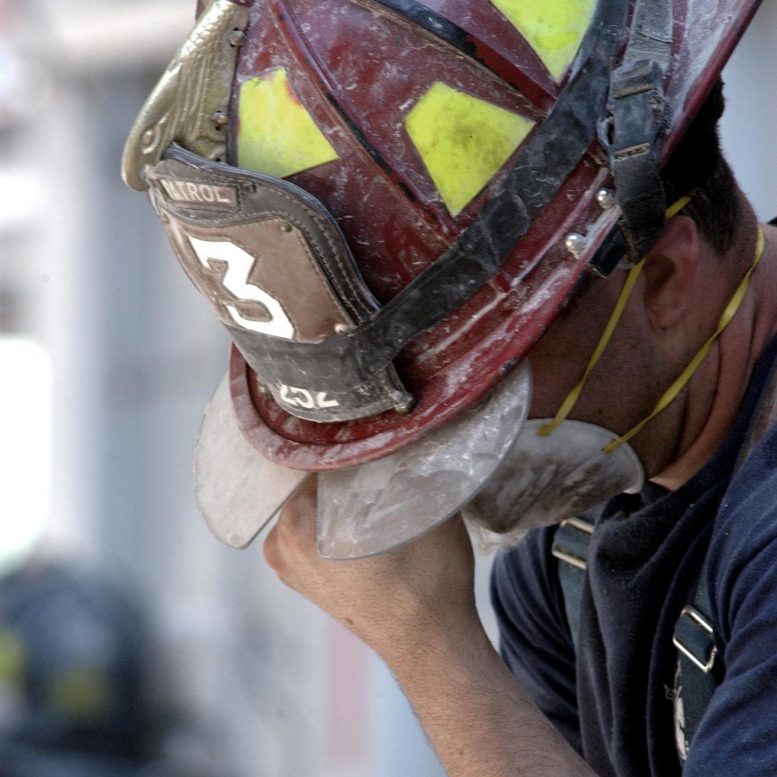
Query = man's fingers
x=295 y=530
x=271 y=550
x=297 y=522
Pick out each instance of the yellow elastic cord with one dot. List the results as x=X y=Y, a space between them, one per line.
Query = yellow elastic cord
x=671 y=393
x=615 y=316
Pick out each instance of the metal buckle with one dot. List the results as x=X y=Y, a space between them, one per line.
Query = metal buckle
x=635 y=109
x=698 y=620
x=564 y=555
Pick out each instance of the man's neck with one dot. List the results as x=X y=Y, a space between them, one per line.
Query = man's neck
x=716 y=392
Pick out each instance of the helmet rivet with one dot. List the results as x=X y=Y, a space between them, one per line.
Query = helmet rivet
x=219 y=119
x=285 y=226
x=341 y=328
x=236 y=38
x=606 y=199
x=575 y=243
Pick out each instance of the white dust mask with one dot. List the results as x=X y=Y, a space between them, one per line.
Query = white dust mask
x=559 y=467
x=544 y=479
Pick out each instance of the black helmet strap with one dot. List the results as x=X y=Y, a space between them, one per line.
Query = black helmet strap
x=635 y=126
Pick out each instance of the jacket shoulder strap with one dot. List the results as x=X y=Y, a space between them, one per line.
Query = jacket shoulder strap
x=699 y=664
x=570 y=547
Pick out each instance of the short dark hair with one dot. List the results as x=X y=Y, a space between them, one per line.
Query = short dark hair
x=698 y=167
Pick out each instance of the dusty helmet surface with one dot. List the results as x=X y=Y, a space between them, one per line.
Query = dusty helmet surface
x=387 y=203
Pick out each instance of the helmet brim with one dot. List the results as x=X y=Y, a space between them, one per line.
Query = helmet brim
x=370 y=508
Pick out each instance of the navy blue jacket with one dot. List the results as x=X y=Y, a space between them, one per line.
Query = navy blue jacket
x=614 y=700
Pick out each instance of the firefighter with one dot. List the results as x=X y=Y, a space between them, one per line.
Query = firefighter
x=490 y=259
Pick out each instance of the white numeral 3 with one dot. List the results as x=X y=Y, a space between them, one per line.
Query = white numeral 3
x=239 y=263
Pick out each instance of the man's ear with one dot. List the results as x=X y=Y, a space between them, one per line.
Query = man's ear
x=670 y=272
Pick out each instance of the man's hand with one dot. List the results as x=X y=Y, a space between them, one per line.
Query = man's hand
x=415 y=606
x=392 y=601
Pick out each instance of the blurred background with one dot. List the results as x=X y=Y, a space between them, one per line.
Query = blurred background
x=125 y=621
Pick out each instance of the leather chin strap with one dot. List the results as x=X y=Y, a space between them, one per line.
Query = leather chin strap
x=635 y=126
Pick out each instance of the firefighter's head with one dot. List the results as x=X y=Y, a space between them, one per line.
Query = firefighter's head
x=389 y=203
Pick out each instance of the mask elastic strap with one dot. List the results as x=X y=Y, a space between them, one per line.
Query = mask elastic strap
x=571 y=399
x=728 y=314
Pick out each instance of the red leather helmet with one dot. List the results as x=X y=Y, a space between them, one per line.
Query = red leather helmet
x=388 y=201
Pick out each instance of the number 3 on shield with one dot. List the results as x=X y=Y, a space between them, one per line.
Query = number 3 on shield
x=239 y=263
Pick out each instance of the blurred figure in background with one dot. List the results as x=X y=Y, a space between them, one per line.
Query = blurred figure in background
x=72 y=696
x=76 y=676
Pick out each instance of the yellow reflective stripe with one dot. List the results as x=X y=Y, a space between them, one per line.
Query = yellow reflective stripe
x=463 y=141
x=571 y=398
x=81 y=692
x=728 y=314
x=276 y=134
x=554 y=28
x=12 y=659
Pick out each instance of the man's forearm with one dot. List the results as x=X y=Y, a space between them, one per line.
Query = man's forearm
x=416 y=608
x=476 y=715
